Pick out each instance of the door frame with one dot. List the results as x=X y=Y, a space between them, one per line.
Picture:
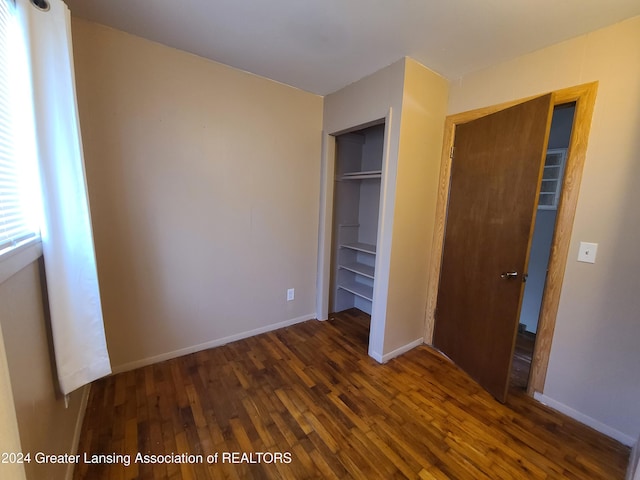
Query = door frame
x=584 y=98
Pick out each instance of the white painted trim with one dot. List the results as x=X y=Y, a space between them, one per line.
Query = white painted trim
x=385 y=230
x=633 y=468
x=587 y=420
x=325 y=225
x=210 y=344
x=377 y=356
x=383 y=246
x=75 y=442
x=397 y=352
x=12 y=261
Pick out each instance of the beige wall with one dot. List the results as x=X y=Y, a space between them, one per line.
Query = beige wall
x=593 y=369
x=417 y=98
x=204 y=189
x=45 y=425
x=364 y=101
x=424 y=104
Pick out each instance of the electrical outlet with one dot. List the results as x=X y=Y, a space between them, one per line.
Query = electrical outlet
x=291 y=294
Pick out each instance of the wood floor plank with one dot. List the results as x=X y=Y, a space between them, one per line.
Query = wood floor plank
x=311 y=392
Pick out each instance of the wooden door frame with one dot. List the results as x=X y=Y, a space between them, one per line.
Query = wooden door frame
x=584 y=98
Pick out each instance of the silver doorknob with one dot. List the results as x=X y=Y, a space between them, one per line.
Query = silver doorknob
x=509 y=275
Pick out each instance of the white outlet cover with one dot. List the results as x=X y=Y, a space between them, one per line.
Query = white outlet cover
x=587 y=252
x=291 y=293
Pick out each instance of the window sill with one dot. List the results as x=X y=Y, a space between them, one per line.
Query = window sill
x=15 y=259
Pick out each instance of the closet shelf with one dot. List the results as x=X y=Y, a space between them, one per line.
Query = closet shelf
x=363 y=291
x=361 y=175
x=357 y=177
x=360 y=247
x=359 y=269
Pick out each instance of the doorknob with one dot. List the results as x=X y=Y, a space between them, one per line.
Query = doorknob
x=508 y=275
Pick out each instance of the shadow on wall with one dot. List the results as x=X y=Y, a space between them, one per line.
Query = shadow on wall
x=618 y=325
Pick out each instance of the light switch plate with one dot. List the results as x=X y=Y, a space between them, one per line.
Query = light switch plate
x=587 y=252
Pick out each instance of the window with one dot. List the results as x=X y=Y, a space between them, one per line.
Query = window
x=19 y=197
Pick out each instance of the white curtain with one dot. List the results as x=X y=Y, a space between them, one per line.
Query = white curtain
x=67 y=242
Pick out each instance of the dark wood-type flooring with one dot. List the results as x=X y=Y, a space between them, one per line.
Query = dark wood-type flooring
x=521 y=366
x=311 y=390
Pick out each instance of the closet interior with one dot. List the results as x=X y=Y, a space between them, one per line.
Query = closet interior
x=358 y=173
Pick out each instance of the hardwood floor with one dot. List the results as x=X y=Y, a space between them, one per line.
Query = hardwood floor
x=311 y=391
x=521 y=366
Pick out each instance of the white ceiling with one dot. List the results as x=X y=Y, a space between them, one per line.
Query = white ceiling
x=322 y=45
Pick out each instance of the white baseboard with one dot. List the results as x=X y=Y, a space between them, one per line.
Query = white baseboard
x=75 y=443
x=587 y=420
x=397 y=352
x=210 y=344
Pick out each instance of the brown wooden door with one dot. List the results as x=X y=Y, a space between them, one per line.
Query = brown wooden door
x=495 y=177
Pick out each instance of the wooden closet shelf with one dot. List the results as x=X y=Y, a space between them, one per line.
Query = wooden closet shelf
x=361 y=175
x=363 y=291
x=359 y=268
x=360 y=247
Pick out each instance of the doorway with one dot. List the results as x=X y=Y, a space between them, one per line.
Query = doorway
x=550 y=190
x=356 y=206
x=583 y=96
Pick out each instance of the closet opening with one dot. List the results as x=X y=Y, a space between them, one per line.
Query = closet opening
x=356 y=208
x=543 y=233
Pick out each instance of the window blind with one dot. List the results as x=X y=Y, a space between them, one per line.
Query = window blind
x=16 y=222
